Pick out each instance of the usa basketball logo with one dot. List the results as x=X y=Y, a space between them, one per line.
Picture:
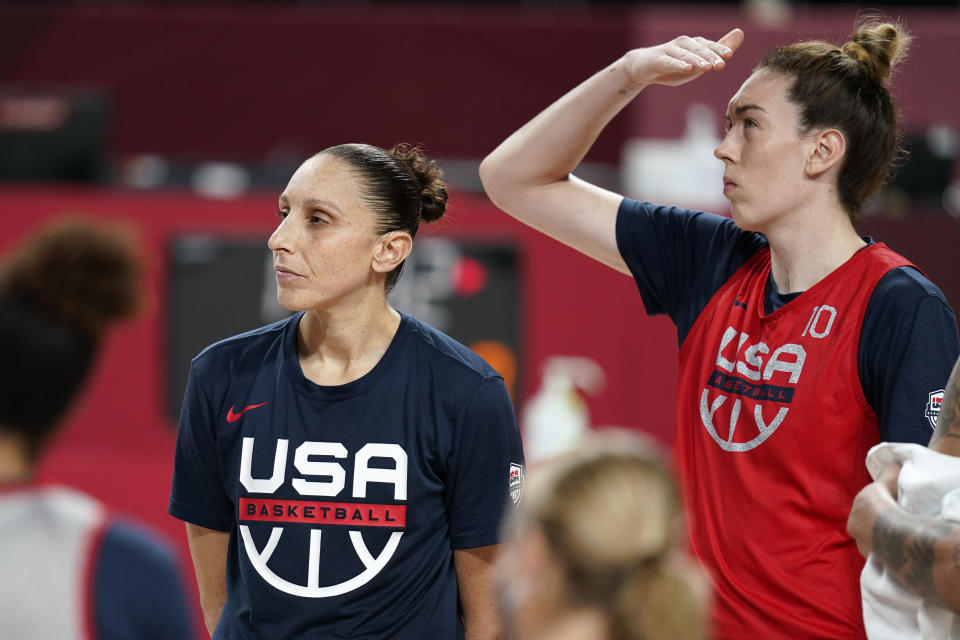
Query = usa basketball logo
x=751 y=387
x=352 y=517
x=516 y=483
x=934 y=400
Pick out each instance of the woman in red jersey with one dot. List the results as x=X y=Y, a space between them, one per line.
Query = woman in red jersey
x=801 y=343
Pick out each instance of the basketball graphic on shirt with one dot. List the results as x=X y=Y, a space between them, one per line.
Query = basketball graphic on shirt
x=343 y=517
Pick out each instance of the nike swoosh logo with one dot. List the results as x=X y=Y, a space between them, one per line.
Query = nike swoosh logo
x=233 y=417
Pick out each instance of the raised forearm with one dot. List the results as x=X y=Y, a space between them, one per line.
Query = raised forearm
x=549 y=147
x=552 y=144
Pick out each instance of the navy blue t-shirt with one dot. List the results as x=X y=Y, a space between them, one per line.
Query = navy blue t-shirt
x=344 y=503
x=908 y=341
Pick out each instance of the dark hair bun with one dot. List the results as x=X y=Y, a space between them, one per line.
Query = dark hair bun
x=879 y=46
x=83 y=274
x=433 y=191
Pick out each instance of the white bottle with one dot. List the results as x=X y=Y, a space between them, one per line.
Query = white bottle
x=556 y=417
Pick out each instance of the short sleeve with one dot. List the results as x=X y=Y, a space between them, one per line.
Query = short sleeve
x=487 y=453
x=138 y=589
x=680 y=258
x=908 y=346
x=197 y=495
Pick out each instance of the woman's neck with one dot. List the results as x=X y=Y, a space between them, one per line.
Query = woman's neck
x=807 y=248
x=339 y=345
x=15 y=465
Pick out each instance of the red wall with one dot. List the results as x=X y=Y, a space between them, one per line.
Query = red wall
x=926 y=91
x=240 y=82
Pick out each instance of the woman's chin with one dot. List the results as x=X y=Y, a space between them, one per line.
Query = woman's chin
x=293 y=303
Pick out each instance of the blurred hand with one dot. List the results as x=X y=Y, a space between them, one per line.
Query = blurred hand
x=888 y=479
x=681 y=60
x=873 y=499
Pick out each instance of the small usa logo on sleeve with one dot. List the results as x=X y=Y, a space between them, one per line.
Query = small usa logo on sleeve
x=933 y=407
x=516 y=483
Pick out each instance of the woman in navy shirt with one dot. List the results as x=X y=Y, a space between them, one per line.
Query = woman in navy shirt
x=343 y=472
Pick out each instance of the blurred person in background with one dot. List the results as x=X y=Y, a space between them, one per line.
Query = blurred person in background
x=592 y=552
x=343 y=472
x=68 y=569
x=907 y=524
x=801 y=343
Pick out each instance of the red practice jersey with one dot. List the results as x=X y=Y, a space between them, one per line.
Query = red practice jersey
x=774 y=429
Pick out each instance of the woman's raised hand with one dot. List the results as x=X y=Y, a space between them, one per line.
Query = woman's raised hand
x=529 y=174
x=680 y=60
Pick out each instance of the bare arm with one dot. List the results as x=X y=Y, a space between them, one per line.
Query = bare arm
x=923 y=554
x=946 y=437
x=208 y=548
x=481 y=619
x=528 y=175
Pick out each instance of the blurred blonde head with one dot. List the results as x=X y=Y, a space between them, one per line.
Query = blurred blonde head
x=593 y=543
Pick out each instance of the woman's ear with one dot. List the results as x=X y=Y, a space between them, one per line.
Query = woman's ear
x=828 y=150
x=392 y=249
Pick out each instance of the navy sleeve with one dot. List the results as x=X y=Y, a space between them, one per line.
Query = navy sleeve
x=486 y=453
x=198 y=495
x=138 y=590
x=908 y=345
x=680 y=258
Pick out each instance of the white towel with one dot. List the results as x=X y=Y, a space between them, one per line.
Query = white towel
x=929 y=485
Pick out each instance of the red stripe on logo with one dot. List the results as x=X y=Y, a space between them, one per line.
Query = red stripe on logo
x=351 y=514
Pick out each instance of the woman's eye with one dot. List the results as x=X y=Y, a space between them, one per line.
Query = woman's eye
x=282 y=214
x=749 y=123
